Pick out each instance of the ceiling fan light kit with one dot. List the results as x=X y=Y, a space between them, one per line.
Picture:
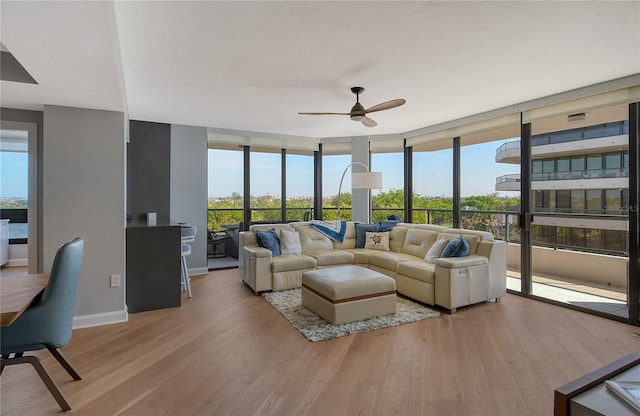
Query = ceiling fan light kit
x=359 y=113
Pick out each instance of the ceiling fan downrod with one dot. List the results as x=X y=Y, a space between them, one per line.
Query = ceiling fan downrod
x=357 y=107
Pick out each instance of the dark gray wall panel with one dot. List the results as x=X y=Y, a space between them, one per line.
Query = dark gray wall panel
x=149 y=169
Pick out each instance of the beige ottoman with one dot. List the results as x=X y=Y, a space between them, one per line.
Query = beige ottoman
x=348 y=293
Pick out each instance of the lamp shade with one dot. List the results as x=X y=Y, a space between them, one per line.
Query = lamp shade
x=366 y=180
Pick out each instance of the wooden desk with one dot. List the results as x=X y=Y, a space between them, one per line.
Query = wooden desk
x=564 y=394
x=17 y=294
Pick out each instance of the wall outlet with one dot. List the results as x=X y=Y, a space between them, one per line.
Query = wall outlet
x=115 y=280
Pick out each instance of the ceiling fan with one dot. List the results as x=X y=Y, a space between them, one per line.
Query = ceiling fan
x=359 y=113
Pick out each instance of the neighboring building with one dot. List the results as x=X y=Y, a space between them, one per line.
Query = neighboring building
x=580 y=179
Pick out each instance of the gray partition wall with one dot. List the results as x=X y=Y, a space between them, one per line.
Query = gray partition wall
x=189 y=188
x=84 y=196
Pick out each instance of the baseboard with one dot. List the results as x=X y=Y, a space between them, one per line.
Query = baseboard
x=17 y=263
x=99 y=319
x=198 y=271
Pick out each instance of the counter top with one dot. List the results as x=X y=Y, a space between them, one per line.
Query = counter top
x=158 y=223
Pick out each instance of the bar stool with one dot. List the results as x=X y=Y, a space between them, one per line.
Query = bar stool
x=188 y=236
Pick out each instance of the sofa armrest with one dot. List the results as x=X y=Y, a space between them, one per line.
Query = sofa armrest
x=257 y=268
x=257 y=251
x=461 y=281
x=456 y=262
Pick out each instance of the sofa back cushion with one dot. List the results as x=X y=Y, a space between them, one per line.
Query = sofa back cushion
x=418 y=241
x=349 y=238
x=483 y=235
x=361 y=230
x=312 y=239
x=396 y=238
x=431 y=227
x=267 y=227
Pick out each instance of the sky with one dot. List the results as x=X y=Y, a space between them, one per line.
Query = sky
x=432 y=172
x=13 y=175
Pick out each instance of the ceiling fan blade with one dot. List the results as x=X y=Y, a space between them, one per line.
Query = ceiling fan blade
x=386 y=105
x=324 y=114
x=368 y=122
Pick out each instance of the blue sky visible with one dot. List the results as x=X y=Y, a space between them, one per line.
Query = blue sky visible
x=432 y=172
x=14 y=168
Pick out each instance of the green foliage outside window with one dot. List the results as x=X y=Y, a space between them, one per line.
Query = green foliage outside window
x=432 y=210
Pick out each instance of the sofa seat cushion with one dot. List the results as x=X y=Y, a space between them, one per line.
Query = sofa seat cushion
x=389 y=260
x=418 y=270
x=288 y=262
x=332 y=257
x=361 y=255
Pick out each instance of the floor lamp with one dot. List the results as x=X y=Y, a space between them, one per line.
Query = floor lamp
x=364 y=180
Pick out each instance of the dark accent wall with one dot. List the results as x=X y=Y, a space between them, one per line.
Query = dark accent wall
x=149 y=169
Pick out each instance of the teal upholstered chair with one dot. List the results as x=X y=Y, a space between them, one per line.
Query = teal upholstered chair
x=48 y=322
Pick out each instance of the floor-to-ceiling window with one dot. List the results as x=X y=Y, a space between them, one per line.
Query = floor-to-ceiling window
x=18 y=195
x=266 y=186
x=299 y=199
x=490 y=189
x=333 y=166
x=390 y=200
x=14 y=186
x=579 y=252
x=225 y=188
x=433 y=183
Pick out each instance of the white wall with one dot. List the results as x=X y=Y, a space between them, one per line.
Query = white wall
x=84 y=195
x=189 y=188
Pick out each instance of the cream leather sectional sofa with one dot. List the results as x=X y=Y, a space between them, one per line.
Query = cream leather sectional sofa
x=450 y=282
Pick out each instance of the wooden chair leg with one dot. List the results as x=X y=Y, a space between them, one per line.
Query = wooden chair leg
x=63 y=362
x=44 y=375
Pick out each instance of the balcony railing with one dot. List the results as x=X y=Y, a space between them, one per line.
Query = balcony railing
x=502 y=224
x=585 y=133
x=581 y=174
x=18 y=225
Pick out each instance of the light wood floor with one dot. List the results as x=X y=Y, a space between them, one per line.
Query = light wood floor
x=228 y=352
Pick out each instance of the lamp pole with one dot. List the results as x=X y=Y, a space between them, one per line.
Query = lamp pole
x=342 y=179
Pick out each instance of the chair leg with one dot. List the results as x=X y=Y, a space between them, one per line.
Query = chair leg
x=185 y=276
x=44 y=375
x=64 y=363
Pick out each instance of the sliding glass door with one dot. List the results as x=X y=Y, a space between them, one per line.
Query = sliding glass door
x=580 y=216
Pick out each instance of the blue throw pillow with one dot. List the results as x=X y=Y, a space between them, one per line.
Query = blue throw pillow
x=458 y=247
x=361 y=233
x=387 y=225
x=269 y=240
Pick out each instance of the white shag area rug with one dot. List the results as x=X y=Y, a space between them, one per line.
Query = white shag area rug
x=314 y=328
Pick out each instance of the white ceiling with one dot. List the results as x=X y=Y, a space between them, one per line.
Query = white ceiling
x=252 y=66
